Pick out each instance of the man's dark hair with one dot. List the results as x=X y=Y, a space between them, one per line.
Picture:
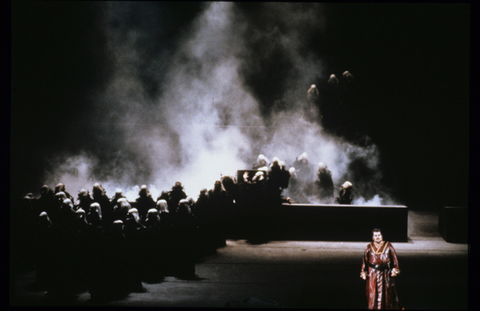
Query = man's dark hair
x=376 y=230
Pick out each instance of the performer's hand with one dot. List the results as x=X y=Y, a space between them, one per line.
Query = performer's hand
x=363 y=275
x=394 y=273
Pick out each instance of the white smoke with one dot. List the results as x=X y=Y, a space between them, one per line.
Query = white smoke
x=377 y=200
x=205 y=121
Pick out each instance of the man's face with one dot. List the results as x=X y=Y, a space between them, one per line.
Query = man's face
x=377 y=237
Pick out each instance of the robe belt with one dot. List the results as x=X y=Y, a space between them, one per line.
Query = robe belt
x=378 y=267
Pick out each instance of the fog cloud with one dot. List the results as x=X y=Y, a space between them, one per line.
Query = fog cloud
x=191 y=111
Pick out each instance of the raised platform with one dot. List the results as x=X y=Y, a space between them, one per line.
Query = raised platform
x=322 y=222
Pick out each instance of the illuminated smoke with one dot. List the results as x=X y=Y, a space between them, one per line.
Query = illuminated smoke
x=189 y=111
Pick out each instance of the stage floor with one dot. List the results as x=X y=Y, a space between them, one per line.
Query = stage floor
x=297 y=274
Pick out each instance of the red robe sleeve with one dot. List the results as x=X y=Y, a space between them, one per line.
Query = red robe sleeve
x=394 y=259
x=365 y=260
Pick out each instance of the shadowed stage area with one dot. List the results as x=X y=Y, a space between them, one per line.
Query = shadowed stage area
x=299 y=274
x=324 y=222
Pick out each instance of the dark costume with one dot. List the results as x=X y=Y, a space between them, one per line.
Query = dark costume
x=230 y=185
x=184 y=241
x=84 y=200
x=303 y=168
x=262 y=162
x=144 y=202
x=311 y=111
x=115 y=205
x=99 y=195
x=163 y=196
x=44 y=251
x=219 y=203
x=175 y=195
x=277 y=180
x=378 y=265
x=120 y=209
x=94 y=216
x=46 y=202
x=324 y=184
x=345 y=195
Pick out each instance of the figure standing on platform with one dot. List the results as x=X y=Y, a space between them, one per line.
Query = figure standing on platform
x=345 y=195
x=379 y=269
x=324 y=184
x=262 y=162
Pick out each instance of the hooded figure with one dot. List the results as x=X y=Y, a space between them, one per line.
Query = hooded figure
x=277 y=180
x=84 y=200
x=278 y=174
x=94 y=216
x=262 y=161
x=162 y=206
x=312 y=92
x=99 y=195
x=257 y=187
x=175 y=195
x=44 y=221
x=144 y=202
x=135 y=233
x=311 y=110
x=23 y=219
x=61 y=188
x=324 y=184
x=44 y=251
x=230 y=186
x=293 y=192
x=152 y=222
x=120 y=209
x=81 y=223
x=184 y=241
x=118 y=195
x=29 y=207
x=218 y=198
x=121 y=271
x=133 y=212
x=54 y=213
x=303 y=168
x=166 y=220
x=202 y=205
x=347 y=76
x=163 y=196
x=345 y=195
x=133 y=225
x=46 y=202
x=113 y=201
x=66 y=215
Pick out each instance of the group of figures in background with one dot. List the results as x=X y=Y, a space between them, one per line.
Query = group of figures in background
x=302 y=184
x=107 y=247
x=110 y=244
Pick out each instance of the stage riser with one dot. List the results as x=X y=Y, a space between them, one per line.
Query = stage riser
x=322 y=222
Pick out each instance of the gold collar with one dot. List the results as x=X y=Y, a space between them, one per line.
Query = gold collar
x=381 y=248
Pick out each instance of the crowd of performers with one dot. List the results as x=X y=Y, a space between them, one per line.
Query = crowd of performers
x=109 y=245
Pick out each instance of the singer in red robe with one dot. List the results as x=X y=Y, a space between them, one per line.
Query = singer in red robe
x=379 y=269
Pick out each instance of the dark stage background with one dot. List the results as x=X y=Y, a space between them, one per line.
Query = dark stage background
x=410 y=63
